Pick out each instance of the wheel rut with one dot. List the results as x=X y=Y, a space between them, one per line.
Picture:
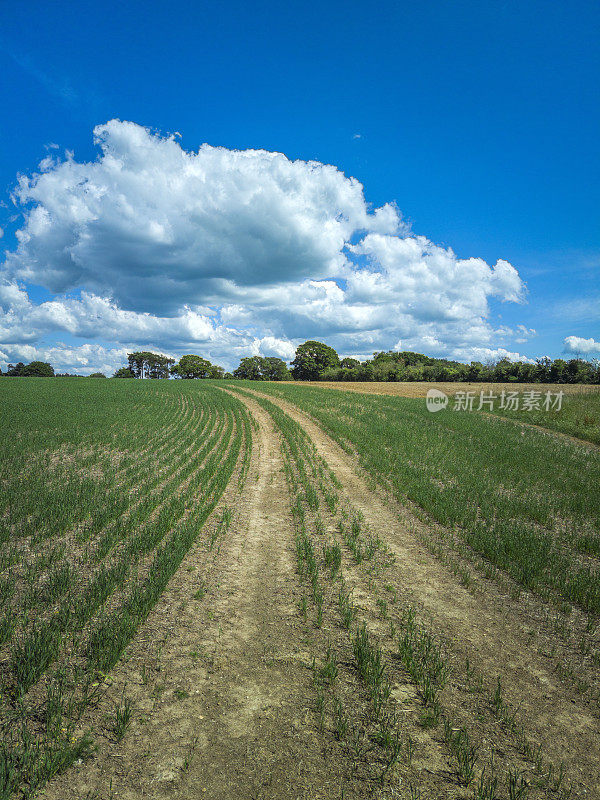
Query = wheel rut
x=475 y=627
x=220 y=672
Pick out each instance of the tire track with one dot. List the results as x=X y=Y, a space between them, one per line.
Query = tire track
x=228 y=712
x=475 y=628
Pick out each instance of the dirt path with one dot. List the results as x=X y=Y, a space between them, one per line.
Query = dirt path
x=221 y=681
x=490 y=634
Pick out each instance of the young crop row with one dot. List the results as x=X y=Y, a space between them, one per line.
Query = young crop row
x=52 y=666
x=526 y=501
x=39 y=573
x=68 y=560
x=88 y=465
x=336 y=555
x=85 y=591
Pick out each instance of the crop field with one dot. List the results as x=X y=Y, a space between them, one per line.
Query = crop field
x=579 y=415
x=420 y=388
x=103 y=494
x=232 y=589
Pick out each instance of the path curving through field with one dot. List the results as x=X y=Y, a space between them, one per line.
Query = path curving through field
x=220 y=673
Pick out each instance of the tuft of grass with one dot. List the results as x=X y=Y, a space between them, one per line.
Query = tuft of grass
x=332 y=556
x=200 y=593
x=122 y=718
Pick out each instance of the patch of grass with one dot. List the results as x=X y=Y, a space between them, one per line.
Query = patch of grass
x=512 y=494
x=107 y=485
x=122 y=718
x=579 y=415
x=332 y=555
x=200 y=593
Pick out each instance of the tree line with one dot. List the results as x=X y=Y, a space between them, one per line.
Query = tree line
x=153 y=365
x=316 y=361
x=410 y=366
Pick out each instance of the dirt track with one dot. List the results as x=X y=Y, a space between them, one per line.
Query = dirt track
x=222 y=690
x=488 y=630
x=226 y=712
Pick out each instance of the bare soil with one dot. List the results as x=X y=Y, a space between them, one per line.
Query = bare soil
x=420 y=388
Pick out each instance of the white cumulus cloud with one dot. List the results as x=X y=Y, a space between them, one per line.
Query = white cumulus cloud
x=575 y=344
x=155 y=227
x=233 y=253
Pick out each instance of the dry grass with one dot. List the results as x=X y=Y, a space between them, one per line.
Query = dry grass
x=419 y=388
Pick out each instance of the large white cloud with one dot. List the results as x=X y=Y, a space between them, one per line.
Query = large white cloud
x=156 y=227
x=575 y=344
x=233 y=253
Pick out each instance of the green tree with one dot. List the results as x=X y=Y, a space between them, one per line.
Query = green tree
x=195 y=367
x=144 y=364
x=312 y=359
x=334 y=374
x=97 y=375
x=38 y=369
x=259 y=368
x=249 y=369
x=525 y=372
x=474 y=370
x=124 y=372
x=275 y=369
x=503 y=370
x=414 y=372
x=558 y=370
x=217 y=372
x=579 y=371
x=542 y=369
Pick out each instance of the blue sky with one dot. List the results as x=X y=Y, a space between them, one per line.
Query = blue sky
x=479 y=121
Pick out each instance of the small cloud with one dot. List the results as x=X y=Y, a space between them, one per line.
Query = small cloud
x=582 y=309
x=577 y=345
x=357 y=136
x=524 y=334
x=57 y=85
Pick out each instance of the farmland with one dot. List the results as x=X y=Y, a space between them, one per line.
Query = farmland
x=578 y=417
x=230 y=588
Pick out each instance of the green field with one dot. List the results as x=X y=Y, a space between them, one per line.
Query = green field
x=579 y=416
x=106 y=485
x=528 y=503
x=109 y=486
